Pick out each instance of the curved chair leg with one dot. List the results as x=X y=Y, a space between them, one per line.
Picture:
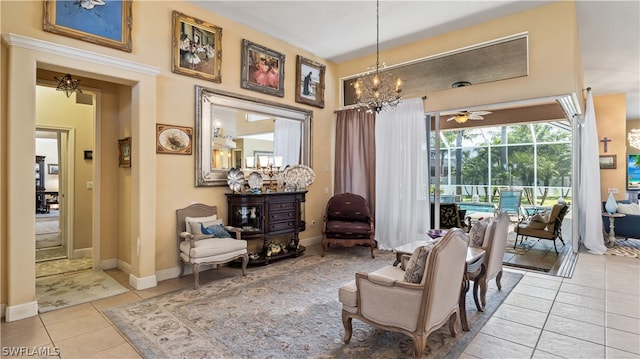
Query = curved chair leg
x=373 y=245
x=475 y=295
x=324 y=248
x=498 y=278
x=483 y=292
x=181 y=268
x=245 y=261
x=452 y=324
x=196 y=274
x=419 y=342
x=348 y=330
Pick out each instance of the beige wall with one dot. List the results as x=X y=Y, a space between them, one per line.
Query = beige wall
x=132 y=103
x=611 y=123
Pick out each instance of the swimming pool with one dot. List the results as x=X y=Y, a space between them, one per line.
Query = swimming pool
x=476 y=206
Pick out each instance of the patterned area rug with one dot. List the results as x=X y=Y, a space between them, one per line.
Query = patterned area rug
x=63 y=291
x=60 y=266
x=625 y=248
x=48 y=232
x=289 y=309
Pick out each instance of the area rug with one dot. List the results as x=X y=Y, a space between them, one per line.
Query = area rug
x=626 y=248
x=66 y=290
x=288 y=309
x=48 y=232
x=61 y=266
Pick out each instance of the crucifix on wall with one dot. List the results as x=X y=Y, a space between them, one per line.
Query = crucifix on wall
x=605 y=141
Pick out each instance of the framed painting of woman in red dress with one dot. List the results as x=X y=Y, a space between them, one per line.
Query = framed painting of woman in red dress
x=262 y=69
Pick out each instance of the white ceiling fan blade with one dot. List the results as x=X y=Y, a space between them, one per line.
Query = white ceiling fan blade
x=480 y=113
x=476 y=118
x=451 y=118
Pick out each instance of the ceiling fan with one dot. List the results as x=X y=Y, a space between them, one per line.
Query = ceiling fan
x=463 y=116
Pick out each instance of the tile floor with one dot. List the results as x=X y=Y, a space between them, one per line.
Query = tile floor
x=594 y=314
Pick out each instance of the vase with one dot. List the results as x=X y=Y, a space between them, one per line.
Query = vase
x=611 y=206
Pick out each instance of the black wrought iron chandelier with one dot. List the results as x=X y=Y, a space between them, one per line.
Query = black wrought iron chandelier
x=68 y=84
x=377 y=90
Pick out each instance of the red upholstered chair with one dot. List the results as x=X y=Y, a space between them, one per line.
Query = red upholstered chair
x=348 y=222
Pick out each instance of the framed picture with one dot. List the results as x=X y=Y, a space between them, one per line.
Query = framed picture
x=52 y=168
x=88 y=155
x=262 y=69
x=608 y=162
x=124 y=148
x=105 y=22
x=197 y=48
x=309 y=82
x=174 y=139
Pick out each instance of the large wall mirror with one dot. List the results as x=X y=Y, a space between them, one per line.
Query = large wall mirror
x=235 y=131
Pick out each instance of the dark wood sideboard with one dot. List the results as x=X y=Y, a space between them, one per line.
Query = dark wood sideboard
x=265 y=216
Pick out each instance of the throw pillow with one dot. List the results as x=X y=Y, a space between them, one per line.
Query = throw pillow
x=417 y=263
x=217 y=230
x=539 y=221
x=628 y=208
x=193 y=223
x=476 y=233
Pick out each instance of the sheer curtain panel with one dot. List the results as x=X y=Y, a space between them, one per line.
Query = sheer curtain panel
x=402 y=188
x=286 y=141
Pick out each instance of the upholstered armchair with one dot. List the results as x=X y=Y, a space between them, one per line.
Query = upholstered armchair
x=203 y=239
x=348 y=222
x=545 y=226
x=389 y=299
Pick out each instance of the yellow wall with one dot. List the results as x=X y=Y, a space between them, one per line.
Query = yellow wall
x=132 y=103
x=611 y=119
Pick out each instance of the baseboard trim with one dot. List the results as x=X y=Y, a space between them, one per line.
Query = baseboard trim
x=83 y=253
x=143 y=283
x=109 y=263
x=21 y=311
x=311 y=240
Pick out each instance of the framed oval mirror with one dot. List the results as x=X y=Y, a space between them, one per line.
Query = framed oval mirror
x=235 y=131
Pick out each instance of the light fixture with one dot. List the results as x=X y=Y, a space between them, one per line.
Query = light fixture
x=461 y=118
x=377 y=90
x=634 y=138
x=68 y=84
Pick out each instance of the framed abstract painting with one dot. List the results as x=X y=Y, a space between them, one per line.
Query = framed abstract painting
x=102 y=22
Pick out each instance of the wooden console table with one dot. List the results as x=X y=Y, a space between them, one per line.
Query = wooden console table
x=265 y=216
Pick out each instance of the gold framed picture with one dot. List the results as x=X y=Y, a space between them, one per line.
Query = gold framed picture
x=174 y=139
x=197 y=48
x=608 y=162
x=124 y=149
x=309 y=82
x=106 y=23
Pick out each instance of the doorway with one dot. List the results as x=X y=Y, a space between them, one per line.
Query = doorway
x=64 y=199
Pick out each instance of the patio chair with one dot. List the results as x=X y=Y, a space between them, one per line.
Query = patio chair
x=511 y=202
x=544 y=226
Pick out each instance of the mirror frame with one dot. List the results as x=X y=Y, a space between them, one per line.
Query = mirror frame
x=210 y=177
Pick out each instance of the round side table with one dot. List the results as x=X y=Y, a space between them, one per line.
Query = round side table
x=612 y=219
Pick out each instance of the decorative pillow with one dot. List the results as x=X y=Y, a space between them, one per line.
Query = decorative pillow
x=539 y=221
x=476 y=233
x=217 y=230
x=193 y=223
x=628 y=208
x=416 y=265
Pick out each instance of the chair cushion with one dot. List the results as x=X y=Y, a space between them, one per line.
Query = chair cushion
x=477 y=231
x=628 y=208
x=417 y=263
x=217 y=230
x=350 y=230
x=212 y=247
x=192 y=224
x=348 y=207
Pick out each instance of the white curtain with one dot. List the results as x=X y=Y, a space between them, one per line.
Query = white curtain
x=402 y=189
x=589 y=206
x=287 y=135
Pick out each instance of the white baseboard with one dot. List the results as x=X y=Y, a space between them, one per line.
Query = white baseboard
x=83 y=253
x=143 y=283
x=311 y=240
x=109 y=263
x=124 y=266
x=169 y=273
x=21 y=311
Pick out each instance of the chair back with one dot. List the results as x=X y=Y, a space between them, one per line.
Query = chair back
x=194 y=210
x=449 y=216
x=443 y=272
x=348 y=207
x=495 y=242
x=555 y=218
x=510 y=202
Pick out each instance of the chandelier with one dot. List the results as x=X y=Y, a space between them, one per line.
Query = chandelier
x=68 y=84
x=634 y=138
x=377 y=90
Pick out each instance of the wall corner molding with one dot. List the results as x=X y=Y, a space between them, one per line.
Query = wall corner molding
x=21 y=311
x=14 y=40
x=143 y=283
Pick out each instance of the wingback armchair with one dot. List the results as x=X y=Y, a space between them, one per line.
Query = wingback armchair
x=348 y=222
x=215 y=246
x=384 y=299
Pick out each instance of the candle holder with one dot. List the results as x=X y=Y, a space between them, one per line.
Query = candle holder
x=270 y=166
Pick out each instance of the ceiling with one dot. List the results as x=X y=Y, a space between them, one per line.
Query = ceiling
x=338 y=31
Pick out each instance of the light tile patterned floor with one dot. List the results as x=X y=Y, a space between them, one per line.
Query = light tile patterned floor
x=594 y=314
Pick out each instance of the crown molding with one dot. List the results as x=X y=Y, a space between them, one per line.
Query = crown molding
x=14 y=40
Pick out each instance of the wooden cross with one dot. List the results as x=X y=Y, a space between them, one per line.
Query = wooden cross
x=605 y=141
